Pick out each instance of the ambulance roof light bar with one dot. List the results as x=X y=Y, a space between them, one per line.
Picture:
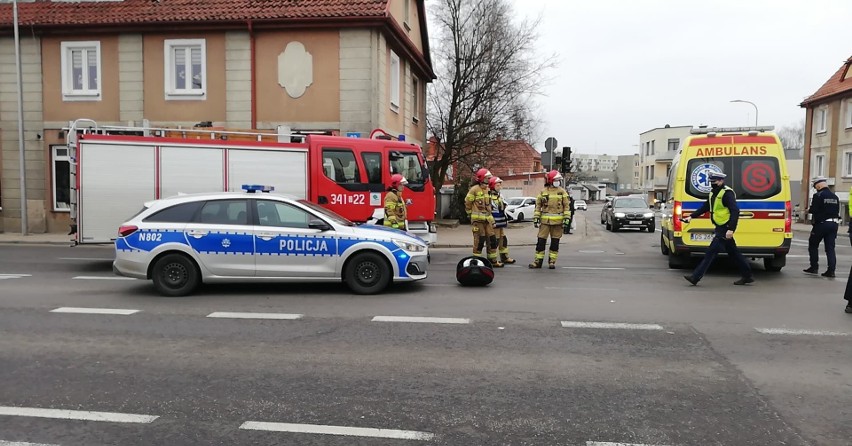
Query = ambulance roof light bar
x=712 y=131
x=252 y=188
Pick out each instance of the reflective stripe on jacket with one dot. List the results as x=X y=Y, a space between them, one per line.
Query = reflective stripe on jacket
x=552 y=206
x=477 y=204
x=498 y=211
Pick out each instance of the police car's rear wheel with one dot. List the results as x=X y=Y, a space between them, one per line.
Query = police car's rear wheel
x=175 y=275
x=367 y=273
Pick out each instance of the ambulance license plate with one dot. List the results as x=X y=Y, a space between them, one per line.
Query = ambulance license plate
x=701 y=237
x=635 y=222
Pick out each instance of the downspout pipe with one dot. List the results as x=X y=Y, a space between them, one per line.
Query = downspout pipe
x=253 y=76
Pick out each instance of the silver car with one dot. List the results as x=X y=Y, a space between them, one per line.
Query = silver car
x=182 y=241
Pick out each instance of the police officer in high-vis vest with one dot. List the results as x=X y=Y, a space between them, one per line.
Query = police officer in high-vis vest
x=395 y=213
x=724 y=213
x=501 y=220
x=552 y=216
x=825 y=213
x=477 y=204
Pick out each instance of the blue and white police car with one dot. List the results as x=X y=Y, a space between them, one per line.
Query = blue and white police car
x=182 y=241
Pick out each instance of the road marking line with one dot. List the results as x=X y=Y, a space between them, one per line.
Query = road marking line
x=14 y=276
x=86 y=258
x=79 y=310
x=592 y=267
x=229 y=315
x=82 y=415
x=102 y=278
x=610 y=325
x=430 y=320
x=606 y=443
x=21 y=443
x=798 y=332
x=337 y=430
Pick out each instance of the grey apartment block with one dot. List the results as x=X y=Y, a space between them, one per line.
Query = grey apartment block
x=10 y=191
x=130 y=79
x=238 y=79
x=357 y=85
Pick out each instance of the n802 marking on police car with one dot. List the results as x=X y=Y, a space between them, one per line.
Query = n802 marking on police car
x=182 y=241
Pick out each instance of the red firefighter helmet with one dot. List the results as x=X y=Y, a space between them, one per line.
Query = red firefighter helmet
x=397 y=180
x=482 y=175
x=552 y=176
x=492 y=183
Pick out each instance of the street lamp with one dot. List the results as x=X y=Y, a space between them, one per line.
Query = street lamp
x=752 y=104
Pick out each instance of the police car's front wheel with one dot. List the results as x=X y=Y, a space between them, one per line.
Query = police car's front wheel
x=367 y=273
x=175 y=275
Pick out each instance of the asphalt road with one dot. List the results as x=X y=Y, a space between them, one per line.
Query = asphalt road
x=528 y=360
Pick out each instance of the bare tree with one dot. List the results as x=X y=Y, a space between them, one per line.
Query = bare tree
x=488 y=74
x=793 y=136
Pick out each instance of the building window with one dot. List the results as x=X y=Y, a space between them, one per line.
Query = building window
x=821 y=119
x=81 y=71
x=674 y=143
x=819 y=165
x=394 y=82
x=61 y=162
x=653 y=151
x=415 y=107
x=847 y=164
x=185 y=69
x=849 y=114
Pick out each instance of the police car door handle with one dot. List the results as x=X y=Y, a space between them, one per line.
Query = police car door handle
x=266 y=236
x=197 y=233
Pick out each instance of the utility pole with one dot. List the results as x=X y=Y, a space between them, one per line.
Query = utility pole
x=21 y=161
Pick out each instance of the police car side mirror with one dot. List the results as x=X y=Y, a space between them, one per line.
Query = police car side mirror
x=316 y=223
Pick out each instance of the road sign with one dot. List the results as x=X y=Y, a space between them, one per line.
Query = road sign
x=550 y=143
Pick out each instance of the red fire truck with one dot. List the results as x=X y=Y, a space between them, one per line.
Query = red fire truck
x=115 y=170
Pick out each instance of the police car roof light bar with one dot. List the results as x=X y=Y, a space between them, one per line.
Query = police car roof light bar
x=715 y=130
x=252 y=188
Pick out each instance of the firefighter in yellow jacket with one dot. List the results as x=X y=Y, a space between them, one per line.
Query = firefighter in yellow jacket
x=395 y=214
x=551 y=217
x=477 y=204
x=501 y=220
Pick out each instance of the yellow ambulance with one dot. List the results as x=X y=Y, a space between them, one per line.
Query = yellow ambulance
x=753 y=159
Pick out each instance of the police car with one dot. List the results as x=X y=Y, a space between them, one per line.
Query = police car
x=182 y=241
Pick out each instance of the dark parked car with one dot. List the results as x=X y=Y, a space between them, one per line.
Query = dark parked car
x=628 y=212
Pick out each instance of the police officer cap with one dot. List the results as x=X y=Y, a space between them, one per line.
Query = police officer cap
x=717 y=176
x=816 y=180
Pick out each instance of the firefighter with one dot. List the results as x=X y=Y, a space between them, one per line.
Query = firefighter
x=477 y=204
x=395 y=214
x=498 y=211
x=552 y=216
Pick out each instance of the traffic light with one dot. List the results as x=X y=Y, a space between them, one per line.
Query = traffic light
x=565 y=162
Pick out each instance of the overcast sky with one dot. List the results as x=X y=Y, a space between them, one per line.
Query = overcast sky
x=628 y=66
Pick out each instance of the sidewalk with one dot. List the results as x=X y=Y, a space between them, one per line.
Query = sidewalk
x=519 y=234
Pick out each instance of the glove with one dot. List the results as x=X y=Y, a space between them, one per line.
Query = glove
x=686 y=219
x=536 y=222
x=395 y=225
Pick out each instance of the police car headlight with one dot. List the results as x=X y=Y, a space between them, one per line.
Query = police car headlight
x=408 y=246
x=619 y=215
x=649 y=214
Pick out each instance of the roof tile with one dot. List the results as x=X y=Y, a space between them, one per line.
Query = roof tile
x=51 y=13
x=841 y=82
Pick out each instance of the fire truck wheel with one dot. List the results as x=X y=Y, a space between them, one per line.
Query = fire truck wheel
x=175 y=275
x=367 y=273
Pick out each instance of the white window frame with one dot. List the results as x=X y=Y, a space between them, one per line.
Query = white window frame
x=849 y=113
x=395 y=69
x=85 y=93
x=819 y=165
x=822 y=119
x=173 y=93
x=847 y=163
x=53 y=159
x=415 y=105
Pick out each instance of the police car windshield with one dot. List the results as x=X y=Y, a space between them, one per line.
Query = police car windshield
x=327 y=213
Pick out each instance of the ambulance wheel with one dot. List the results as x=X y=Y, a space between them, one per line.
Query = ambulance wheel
x=664 y=248
x=676 y=261
x=367 y=273
x=175 y=275
x=775 y=264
